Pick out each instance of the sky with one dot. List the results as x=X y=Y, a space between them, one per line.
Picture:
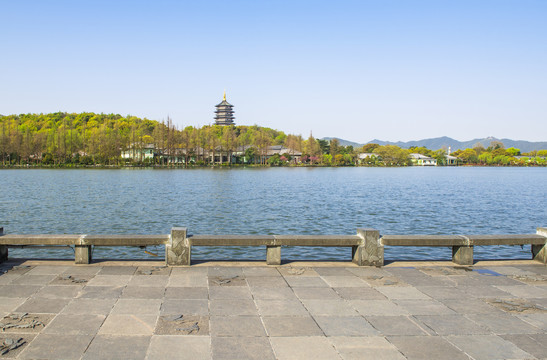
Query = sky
x=394 y=70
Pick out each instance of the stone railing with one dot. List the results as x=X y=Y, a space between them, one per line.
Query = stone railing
x=367 y=245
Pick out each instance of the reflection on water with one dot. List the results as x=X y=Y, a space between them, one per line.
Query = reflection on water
x=276 y=201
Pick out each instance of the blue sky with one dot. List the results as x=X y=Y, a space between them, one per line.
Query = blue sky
x=358 y=70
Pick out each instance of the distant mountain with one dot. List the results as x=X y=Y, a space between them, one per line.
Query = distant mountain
x=343 y=142
x=438 y=143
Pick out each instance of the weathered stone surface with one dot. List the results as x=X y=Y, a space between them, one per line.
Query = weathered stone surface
x=426 y=347
x=371 y=252
x=23 y=322
x=186 y=307
x=133 y=324
x=487 y=347
x=291 y=326
x=251 y=348
x=117 y=347
x=280 y=307
x=273 y=255
x=182 y=325
x=369 y=347
x=462 y=255
x=178 y=248
x=54 y=346
x=237 y=326
x=396 y=325
x=75 y=324
x=345 y=326
x=452 y=325
x=179 y=347
x=309 y=347
x=82 y=254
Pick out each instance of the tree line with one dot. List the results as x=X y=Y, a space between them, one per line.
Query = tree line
x=65 y=139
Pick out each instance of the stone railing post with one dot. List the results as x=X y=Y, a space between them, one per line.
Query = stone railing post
x=3 y=249
x=463 y=255
x=371 y=250
x=82 y=252
x=178 y=249
x=273 y=254
x=539 y=252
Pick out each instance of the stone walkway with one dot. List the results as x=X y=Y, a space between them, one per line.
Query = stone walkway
x=295 y=311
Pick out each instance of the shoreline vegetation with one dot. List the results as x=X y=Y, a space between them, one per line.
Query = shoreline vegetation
x=89 y=140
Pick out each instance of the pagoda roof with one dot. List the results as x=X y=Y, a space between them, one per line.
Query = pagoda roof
x=224 y=103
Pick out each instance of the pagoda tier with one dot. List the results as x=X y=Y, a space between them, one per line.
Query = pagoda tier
x=224 y=114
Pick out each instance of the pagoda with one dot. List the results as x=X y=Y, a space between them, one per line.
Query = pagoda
x=224 y=114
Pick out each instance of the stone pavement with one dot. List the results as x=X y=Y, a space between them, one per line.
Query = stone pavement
x=55 y=310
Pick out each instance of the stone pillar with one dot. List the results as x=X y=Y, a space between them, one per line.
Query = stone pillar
x=462 y=255
x=371 y=250
x=539 y=252
x=178 y=249
x=3 y=249
x=273 y=254
x=82 y=254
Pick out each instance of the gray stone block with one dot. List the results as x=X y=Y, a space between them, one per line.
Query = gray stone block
x=426 y=347
x=250 y=348
x=291 y=326
x=178 y=250
x=82 y=254
x=117 y=347
x=273 y=255
x=462 y=255
x=371 y=251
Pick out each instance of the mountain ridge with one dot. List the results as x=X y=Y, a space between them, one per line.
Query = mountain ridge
x=445 y=141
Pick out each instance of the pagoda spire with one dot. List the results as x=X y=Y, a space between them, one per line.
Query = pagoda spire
x=224 y=97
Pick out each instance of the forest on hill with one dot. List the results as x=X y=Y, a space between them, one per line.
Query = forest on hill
x=89 y=139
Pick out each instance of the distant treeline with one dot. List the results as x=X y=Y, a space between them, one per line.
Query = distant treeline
x=88 y=139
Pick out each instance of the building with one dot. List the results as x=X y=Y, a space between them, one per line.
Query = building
x=422 y=160
x=224 y=114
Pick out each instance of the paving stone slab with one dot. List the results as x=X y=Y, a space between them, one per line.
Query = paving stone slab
x=195 y=293
x=185 y=307
x=443 y=292
x=225 y=271
x=239 y=326
x=329 y=307
x=143 y=292
x=297 y=271
x=33 y=279
x=43 y=305
x=267 y=281
x=396 y=325
x=535 y=345
x=109 y=280
x=305 y=281
x=117 y=347
x=523 y=291
x=424 y=307
x=345 y=281
x=6 y=279
x=17 y=269
x=118 y=270
x=430 y=281
x=179 y=347
x=192 y=280
x=19 y=342
x=488 y=347
x=71 y=280
x=22 y=322
x=260 y=272
x=270 y=293
x=470 y=306
x=504 y=324
x=75 y=324
x=410 y=293
x=8 y=305
x=538 y=320
x=182 y=325
x=18 y=291
x=187 y=271
x=89 y=306
x=153 y=271
x=230 y=292
x=128 y=325
x=516 y=306
x=82 y=270
x=333 y=271
x=137 y=306
x=291 y=326
x=227 y=281
x=484 y=291
x=309 y=347
x=48 y=270
x=426 y=347
x=378 y=307
x=101 y=292
x=55 y=347
x=58 y=292
x=366 y=347
x=149 y=280
x=321 y=293
x=452 y=325
x=345 y=326
x=223 y=307
x=281 y=307
x=237 y=348
x=366 y=271
x=382 y=281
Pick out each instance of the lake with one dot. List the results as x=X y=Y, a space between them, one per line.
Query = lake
x=410 y=200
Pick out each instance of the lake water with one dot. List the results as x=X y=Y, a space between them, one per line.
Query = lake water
x=413 y=200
